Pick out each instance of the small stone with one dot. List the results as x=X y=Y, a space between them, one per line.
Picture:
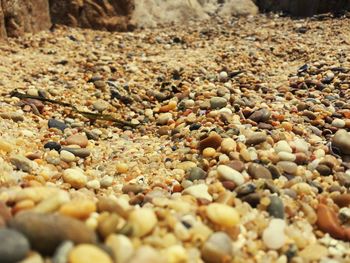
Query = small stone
x=301 y=145
x=146 y=254
x=245 y=189
x=77 y=139
x=100 y=105
x=196 y=173
x=108 y=224
x=61 y=253
x=341 y=141
x=15 y=116
x=198 y=191
x=85 y=253
x=142 y=221
x=106 y=181
x=80 y=209
x=75 y=177
x=324 y=170
x=163 y=118
x=100 y=84
x=5 y=145
x=46 y=231
x=256 y=138
x=79 y=152
x=273 y=236
x=213 y=141
x=237 y=165
x=223 y=76
x=22 y=163
x=258 y=171
x=121 y=246
x=67 y=156
x=121 y=168
x=282 y=146
x=186 y=165
x=53 y=123
x=218 y=248
x=276 y=207
x=339 y=123
x=342 y=200
x=230 y=174
x=14 y=246
x=222 y=215
x=209 y=152
x=217 y=103
x=51 y=204
x=261 y=115
x=285 y=156
x=132 y=188
x=288 y=167
x=52 y=146
x=228 y=145
x=328 y=222
x=314 y=252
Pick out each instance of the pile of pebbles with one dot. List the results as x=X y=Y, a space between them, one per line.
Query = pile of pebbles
x=241 y=151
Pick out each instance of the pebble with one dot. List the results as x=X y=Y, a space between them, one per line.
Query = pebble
x=62 y=251
x=52 y=203
x=288 y=167
x=342 y=200
x=273 y=236
x=341 y=141
x=46 y=231
x=258 y=171
x=53 y=123
x=52 y=146
x=230 y=174
x=198 y=191
x=217 y=103
x=328 y=222
x=218 y=248
x=5 y=145
x=142 y=221
x=78 y=152
x=80 y=209
x=77 y=139
x=285 y=156
x=15 y=116
x=209 y=152
x=75 y=177
x=261 y=115
x=276 y=207
x=223 y=76
x=196 y=173
x=282 y=146
x=86 y=253
x=313 y=252
x=121 y=168
x=228 y=145
x=301 y=145
x=163 y=118
x=22 y=163
x=121 y=246
x=107 y=224
x=222 y=215
x=256 y=138
x=100 y=105
x=67 y=156
x=146 y=254
x=213 y=141
x=14 y=246
x=339 y=123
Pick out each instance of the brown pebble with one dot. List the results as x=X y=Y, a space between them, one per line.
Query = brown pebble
x=257 y=171
x=229 y=185
x=328 y=222
x=237 y=165
x=77 y=139
x=342 y=200
x=213 y=141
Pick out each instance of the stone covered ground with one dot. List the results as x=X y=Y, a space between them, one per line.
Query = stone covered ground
x=235 y=147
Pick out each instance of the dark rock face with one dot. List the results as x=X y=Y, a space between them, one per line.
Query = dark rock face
x=19 y=17
x=302 y=7
x=111 y=15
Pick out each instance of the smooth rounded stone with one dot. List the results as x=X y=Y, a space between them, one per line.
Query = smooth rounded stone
x=146 y=254
x=288 y=167
x=86 y=253
x=213 y=141
x=285 y=156
x=186 y=165
x=163 y=118
x=67 y=156
x=222 y=215
x=276 y=207
x=5 y=211
x=237 y=165
x=79 y=208
x=274 y=236
x=77 y=139
x=258 y=171
x=223 y=76
x=53 y=123
x=328 y=222
x=253 y=199
x=339 y=123
x=107 y=224
x=22 y=163
x=5 y=145
x=283 y=146
x=261 y=115
x=230 y=174
x=324 y=170
x=245 y=189
x=121 y=167
x=52 y=203
x=100 y=84
x=121 y=246
x=256 y=138
x=142 y=221
x=196 y=173
x=342 y=200
x=106 y=181
x=79 y=152
x=132 y=188
x=15 y=116
x=209 y=152
x=228 y=145
x=46 y=231
x=62 y=251
x=52 y=146
x=313 y=252
x=341 y=141
x=100 y=105
x=199 y=191
x=14 y=246
x=75 y=177
x=218 y=248
x=93 y=184
x=217 y=103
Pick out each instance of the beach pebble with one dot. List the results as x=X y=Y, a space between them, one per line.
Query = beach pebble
x=121 y=246
x=67 y=156
x=75 y=177
x=14 y=246
x=77 y=139
x=85 y=253
x=274 y=236
x=341 y=140
x=282 y=146
x=222 y=214
x=230 y=174
x=198 y=191
x=218 y=248
x=142 y=221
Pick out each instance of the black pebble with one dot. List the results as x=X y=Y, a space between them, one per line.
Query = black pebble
x=52 y=146
x=53 y=123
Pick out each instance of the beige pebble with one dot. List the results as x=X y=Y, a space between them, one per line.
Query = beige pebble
x=77 y=139
x=314 y=252
x=198 y=191
x=228 y=145
x=78 y=208
x=67 y=156
x=176 y=254
x=142 y=221
x=75 y=177
x=209 y=152
x=52 y=203
x=86 y=253
x=223 y=215
x=121 y=168
x=5 y=146
x=121 y=246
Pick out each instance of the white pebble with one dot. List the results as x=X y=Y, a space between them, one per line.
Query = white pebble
x=274 y=236
x=339 y=123
x=67 y=156
x=282 y=146
x=230 y=174
x=198 y=191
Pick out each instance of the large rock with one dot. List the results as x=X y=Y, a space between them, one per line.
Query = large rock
x=111 y=15
x=19 y=17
